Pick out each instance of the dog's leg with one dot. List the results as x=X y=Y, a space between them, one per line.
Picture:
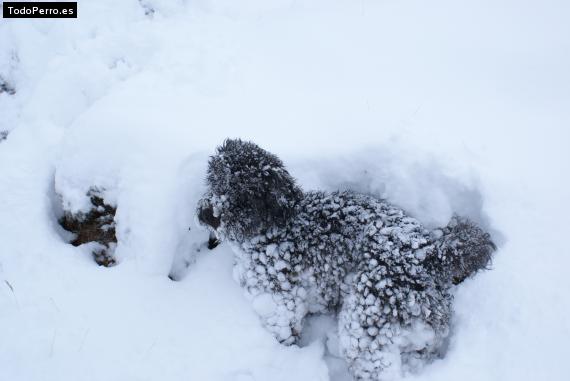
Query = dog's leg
x=386 y=323
x=269 y=281
x=282 y=313
x=366 y=339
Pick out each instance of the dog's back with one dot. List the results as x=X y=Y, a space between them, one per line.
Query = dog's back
x=341 y=231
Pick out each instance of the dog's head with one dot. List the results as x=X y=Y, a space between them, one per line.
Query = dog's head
x=249 y=191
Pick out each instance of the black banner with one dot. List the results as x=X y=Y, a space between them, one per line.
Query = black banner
x=39 y=9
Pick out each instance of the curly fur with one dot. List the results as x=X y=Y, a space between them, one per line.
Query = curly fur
x=298 y=252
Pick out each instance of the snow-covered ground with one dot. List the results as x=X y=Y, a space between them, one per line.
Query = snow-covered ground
x=439 y=106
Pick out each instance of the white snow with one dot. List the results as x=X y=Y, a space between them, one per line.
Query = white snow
x=439 y=106
x=264 y=305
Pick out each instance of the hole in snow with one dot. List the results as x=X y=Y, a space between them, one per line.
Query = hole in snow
x=97 y=226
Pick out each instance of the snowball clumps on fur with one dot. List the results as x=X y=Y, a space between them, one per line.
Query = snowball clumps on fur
x=307 y=252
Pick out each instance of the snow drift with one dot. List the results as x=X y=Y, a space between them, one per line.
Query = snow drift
x=438 y=106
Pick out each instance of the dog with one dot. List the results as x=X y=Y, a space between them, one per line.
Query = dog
x=387 y=277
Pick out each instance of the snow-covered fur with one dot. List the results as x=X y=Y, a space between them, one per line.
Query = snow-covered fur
x=298 y=252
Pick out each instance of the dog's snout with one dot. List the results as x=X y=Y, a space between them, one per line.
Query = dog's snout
x=207 y=217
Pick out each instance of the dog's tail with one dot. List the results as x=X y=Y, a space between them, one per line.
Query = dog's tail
x=463 y=248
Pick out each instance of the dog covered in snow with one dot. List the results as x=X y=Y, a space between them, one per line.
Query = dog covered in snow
x=388 y=278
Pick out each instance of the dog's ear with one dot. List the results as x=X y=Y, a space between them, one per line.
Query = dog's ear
x=255 y=186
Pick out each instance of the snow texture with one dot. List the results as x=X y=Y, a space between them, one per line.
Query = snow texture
x=439 y=106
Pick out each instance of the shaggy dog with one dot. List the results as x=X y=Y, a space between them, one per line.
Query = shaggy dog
x=388 y=278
